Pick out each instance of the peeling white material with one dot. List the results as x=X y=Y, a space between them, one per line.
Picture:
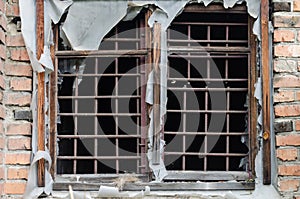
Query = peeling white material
x=46 y=60
x=89 y=21
x=106 y=191
x=56 y=8
x=32 y=190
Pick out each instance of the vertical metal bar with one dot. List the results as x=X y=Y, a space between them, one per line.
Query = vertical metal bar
x=266 y=92
x=95 y=118
x=117 y=112
x=205 y=130
x=227 y=129
x=156 y=93
x=138 y=106
x=41 y=91
x=75 y=122
x=184 y=131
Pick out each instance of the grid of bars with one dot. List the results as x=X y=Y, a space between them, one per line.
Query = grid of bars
x=100 y=98
x=207 y=87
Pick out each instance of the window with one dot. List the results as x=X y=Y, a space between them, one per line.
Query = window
x=210 y=124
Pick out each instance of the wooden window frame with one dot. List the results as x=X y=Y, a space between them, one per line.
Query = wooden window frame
x=52 y=92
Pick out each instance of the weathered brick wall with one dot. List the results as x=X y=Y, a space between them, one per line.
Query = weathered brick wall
x=15 y=98
x=286 y=82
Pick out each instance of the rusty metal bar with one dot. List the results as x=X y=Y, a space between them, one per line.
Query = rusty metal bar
x=209 y=23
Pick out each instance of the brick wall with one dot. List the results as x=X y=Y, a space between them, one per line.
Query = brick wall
x=15 y=98
x=286 y=82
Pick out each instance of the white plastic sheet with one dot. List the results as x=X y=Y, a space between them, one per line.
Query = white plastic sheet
x=89 y=21
x=32 y=190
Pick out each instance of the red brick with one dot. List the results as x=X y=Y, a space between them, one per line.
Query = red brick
x=284 y=96
x=2 y=112
x=287 y=154
x=17 y=158
x=2 y=172
x=288 y=140
x=3 y=22
x=1 y=187
x=2 y=82
x=2 y=51
x=19 y=54
x=2 y=142
x=1 y=157
x=296 y=6
x=286 y=21
x=1 y=96
x=2 y=5
x=2 y=36
x=284 y=35
x=17 y=98
x=291 y=50
x=21 y=84
x=297 y=96
x=19 y=143
x=12 y=9
x=287 y=110
x=286 y=81
x=297 y=125
x=19 y=129
x=17 y=173
x=14 y=187
x=18 y=70
x=15 y=40
x=289 y=170
x=283 y=65
x=288 y=185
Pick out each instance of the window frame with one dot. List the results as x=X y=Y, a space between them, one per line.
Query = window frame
x=61 y=185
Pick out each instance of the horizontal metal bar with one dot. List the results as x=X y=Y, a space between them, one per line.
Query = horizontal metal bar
x=209 y=23
x=206 y=111
x=214 y=8
x=207 y=79
x=98 y=157
x=206 y=41
x=99 y=114
x=100 y=75
x=208 y=89
x=121 y=39
x=205 y=133
x=206 y=175
x=100 y=53
x=206 y=154
x=84 y=136
x=100 y=97
x=199 y=49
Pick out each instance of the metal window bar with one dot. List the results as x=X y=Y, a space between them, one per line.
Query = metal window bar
x=119 y=54
x=228 y=48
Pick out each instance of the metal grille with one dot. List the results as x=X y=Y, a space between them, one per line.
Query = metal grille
x=100 y=95
x=208 y=76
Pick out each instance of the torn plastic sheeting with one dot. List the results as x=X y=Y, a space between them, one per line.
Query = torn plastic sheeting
x=106 y=191
x=88 y=22
x=32 y=190
x=159 y=170
x=56 y=8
